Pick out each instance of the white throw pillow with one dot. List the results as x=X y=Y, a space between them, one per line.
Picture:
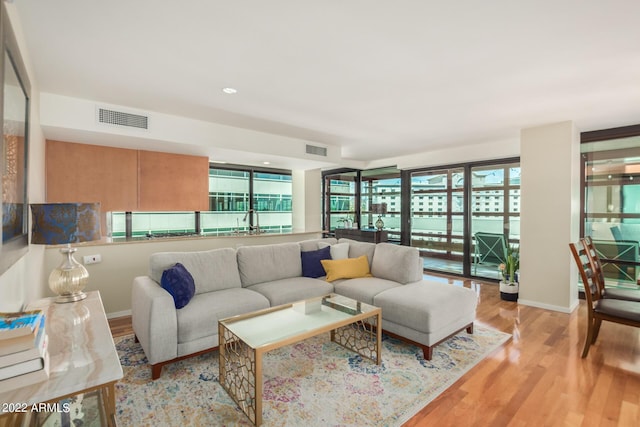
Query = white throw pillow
x=338 y=251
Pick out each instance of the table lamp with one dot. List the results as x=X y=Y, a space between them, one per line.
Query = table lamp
x=380 y=209
x=66 y=223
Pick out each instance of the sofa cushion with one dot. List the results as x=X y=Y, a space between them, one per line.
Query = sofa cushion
x=200 y=318
x=266 y=263
x=311 y=266
x=338 y=250
x=357 y=249
x=293 y=289
x=313 y=244
x=349 y=268
x=363 y=289
x=179 y=283
x=398 y=263
x=211 y=270
x=427 y=306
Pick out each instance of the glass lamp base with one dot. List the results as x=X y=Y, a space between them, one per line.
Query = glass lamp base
x=379 y=223
x=69 y=278
x=77 y=296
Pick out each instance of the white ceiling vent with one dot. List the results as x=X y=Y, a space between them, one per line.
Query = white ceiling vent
x=120 y=118
x=318 y=151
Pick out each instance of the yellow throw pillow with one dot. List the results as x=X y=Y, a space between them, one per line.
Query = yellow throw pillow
x=348 y=268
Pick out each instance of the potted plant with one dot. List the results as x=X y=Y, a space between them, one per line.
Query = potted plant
x=509 y=286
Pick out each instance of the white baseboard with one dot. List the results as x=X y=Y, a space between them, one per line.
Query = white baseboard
x=118 y=314
x=549 y=306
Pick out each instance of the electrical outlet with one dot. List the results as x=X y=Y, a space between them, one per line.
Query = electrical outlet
x=92 y=259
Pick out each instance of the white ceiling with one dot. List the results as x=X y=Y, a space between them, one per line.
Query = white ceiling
x=378 y=78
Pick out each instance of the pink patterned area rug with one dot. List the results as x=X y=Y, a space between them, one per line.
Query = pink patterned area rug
x=312 y=383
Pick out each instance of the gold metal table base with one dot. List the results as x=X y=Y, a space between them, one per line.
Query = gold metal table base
x=241 y=365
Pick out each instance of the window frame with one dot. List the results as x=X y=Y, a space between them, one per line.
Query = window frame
x=603 y=135
x=435 y=207
x=252 y=171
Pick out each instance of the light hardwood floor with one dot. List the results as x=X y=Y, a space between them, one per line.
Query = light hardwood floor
x=538 y=377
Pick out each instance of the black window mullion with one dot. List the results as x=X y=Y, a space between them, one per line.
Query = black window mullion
x=466 y=214
x=405 y=207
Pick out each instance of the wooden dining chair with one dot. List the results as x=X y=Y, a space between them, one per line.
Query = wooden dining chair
x=598 y=308
x=614 y=293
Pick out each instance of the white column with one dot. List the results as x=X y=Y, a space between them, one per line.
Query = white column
x=550 y=215
x=306 y=200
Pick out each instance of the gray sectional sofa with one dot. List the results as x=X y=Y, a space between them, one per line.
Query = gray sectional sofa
x=230 y=281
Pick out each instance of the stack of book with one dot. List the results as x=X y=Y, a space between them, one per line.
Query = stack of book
x=24 y=359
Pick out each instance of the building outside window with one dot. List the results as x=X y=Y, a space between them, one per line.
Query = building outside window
x=235 y=191
x=499 y=186
x=229 y=195
x=272 y=200
x=439 y=233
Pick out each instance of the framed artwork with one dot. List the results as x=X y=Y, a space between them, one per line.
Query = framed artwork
x=14 y=110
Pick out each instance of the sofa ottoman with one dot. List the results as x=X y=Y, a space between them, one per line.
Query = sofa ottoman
x=427 y=313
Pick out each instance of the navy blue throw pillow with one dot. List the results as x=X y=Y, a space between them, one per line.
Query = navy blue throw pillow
x=311 y=265
x=179 y=283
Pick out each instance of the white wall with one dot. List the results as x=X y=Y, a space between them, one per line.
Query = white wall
x=306 y=200
x=473 y=152
x=550 y=215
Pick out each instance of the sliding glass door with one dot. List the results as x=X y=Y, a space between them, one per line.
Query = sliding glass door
x=437 y=218
x=495 y=216
x=464 y=218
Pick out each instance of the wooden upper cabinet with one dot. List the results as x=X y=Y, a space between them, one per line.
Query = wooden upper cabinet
x=172 y=182
x=124 y=179
x=91 y=173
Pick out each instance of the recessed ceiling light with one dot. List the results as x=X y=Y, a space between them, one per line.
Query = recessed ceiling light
x=229 y=90
x=266 y=163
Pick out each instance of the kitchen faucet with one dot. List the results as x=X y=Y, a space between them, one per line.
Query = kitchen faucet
x=256 y=228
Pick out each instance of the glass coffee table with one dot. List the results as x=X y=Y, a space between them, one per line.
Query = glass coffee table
x=244 y=339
